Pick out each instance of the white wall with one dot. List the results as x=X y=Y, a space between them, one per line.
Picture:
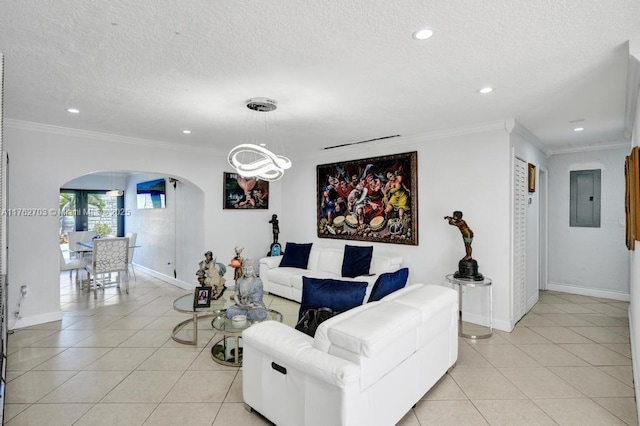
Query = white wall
x=590 y=261
x=170 y=238
x=468 y=172
x=42 y=158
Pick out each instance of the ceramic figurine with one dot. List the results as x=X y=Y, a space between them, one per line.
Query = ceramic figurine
x=248 y=295
x=211 y=274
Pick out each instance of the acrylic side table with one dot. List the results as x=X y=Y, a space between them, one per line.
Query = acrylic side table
x=465 y=282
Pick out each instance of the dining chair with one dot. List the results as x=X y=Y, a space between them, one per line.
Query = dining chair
x=133 y=236
x=75 y=237
x=109 y=255
x=72 y=264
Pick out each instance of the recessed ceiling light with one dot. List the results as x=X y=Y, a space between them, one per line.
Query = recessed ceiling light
x=262 y=144
x=73 y=110
x=423 y=34
x=578 y=129
x=485 y=90
x=186 y=132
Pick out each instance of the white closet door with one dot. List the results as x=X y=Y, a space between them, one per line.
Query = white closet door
x=519 y=238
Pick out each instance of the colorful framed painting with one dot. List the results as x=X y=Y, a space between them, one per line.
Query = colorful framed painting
x=373 y=199
x=245 y=193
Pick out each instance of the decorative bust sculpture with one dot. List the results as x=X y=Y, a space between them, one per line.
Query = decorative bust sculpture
x=248 y=295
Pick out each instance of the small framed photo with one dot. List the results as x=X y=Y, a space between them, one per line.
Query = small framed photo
x=202 y=297
x=532 y=178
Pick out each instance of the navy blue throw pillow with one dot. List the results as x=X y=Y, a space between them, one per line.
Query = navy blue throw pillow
x=296 y=255
x=327 y=293
x=356 y=261
x=388 y=283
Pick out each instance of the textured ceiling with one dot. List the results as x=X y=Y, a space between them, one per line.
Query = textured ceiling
x=341 y=72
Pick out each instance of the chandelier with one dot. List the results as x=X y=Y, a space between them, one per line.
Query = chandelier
x=253 y=160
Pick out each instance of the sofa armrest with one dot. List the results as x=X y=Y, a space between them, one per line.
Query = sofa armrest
x=295 y=350
x=270 y=262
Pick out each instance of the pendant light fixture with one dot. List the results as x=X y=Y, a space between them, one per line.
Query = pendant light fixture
x=254 y=159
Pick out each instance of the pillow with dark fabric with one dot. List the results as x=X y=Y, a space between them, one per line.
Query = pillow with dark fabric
x=356 y=261
x=296 y=255
x=388 y=283
x=327 y=293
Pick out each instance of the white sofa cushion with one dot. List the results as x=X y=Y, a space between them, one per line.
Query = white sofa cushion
x=330 y=260
x=377 y=336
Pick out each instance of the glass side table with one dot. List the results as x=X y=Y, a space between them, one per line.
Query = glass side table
x=184 y=304
x=466 y=282
x=227 y=351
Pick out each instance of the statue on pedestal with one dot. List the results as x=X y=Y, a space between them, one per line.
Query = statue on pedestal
x=211 y=274
x=467 y=267
x=248 y=295
x=275 y=249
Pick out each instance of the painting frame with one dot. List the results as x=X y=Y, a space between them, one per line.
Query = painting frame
x=202 y=297
x=632 y=197
x=531 y=177
x=385 y=209
x=242 y=193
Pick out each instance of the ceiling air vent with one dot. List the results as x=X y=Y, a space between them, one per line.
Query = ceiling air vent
x=357 y=143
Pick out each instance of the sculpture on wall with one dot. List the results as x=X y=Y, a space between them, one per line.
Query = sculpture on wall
x=467 y=267
x=211 y=274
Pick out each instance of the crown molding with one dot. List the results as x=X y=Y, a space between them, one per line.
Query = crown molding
x=614 y=145
x=102 y=137
x=513 y=126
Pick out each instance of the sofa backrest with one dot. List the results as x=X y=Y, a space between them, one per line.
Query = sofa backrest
x=377 y=336
x=325 y=259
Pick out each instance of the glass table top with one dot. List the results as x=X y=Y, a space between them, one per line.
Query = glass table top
x=185 y=304
x=222 y=323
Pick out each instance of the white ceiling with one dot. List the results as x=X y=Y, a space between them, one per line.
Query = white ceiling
x=341 y=71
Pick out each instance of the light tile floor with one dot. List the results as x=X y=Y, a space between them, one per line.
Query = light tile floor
x=111 y=361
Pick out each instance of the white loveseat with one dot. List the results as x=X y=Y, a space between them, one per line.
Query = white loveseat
x=323 y=263
x=366 y=366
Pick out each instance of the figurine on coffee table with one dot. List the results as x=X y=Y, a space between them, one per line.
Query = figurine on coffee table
x=248 y=295
x=467 y=267
x=211 y=274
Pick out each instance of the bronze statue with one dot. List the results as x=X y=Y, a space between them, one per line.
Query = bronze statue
x=275 y=228
x=467 y=233
x=467 y=267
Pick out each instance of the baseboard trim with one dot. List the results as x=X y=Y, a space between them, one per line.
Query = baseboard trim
x=165 y=278
x=593 y=292
x=37 y=319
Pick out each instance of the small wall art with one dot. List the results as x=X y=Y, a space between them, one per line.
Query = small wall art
x=532 y=177
x=245 y=193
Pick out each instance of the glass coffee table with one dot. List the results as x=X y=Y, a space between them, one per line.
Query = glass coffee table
x=228 y=350
x=184 y=304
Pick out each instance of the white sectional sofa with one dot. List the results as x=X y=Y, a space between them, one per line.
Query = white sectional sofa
x=366 y=366
x=323 y=263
